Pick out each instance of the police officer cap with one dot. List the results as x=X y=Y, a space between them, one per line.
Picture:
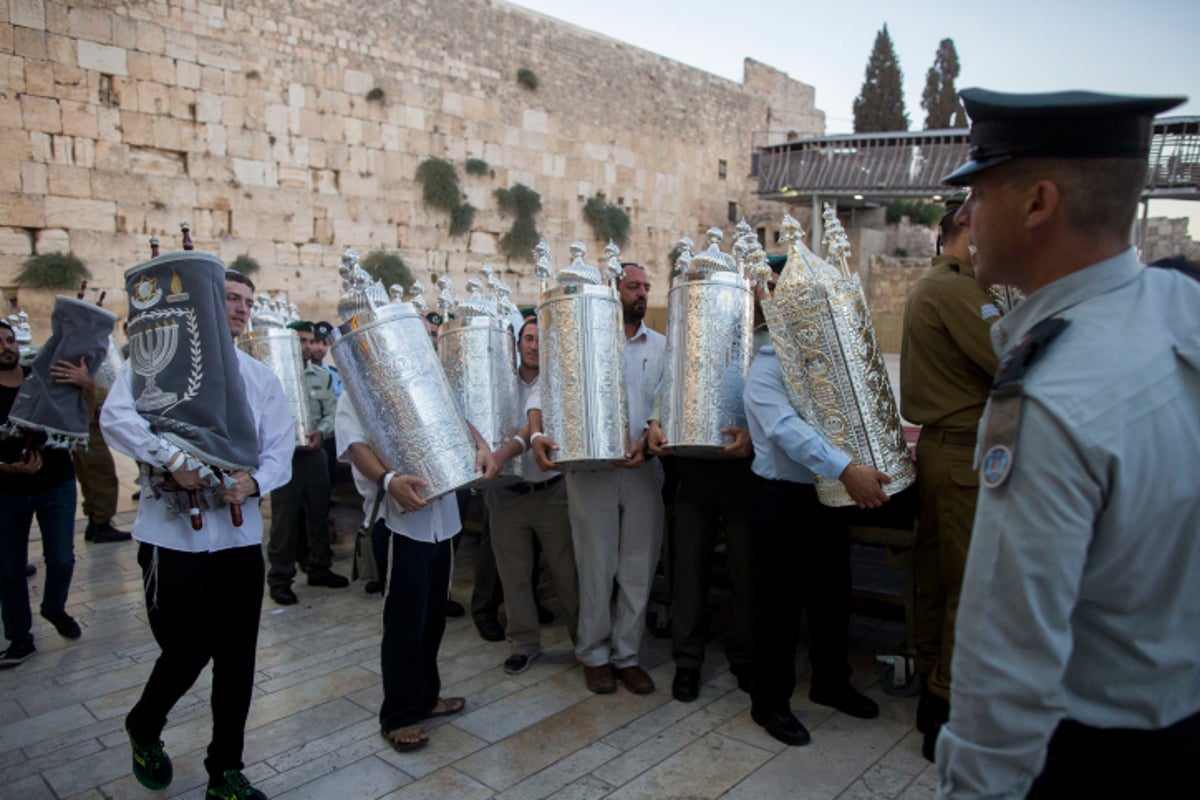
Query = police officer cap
x=304 y=326
x=322 y=329
x=1056 y=125
x=434 y=318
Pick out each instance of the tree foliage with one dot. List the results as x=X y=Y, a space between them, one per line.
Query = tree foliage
x=53 y=271
x=245 y=264
x=879 y=106
x=387 y=268
x=918 y=212
x=940 y=100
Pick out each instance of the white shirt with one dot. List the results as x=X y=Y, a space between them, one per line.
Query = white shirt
x=645 y=365
x=435 y=522
x=129 y=432
x=527 y=393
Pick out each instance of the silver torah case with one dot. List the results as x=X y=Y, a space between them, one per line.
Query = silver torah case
x=581 y=355
x=710 y=326
x=392 y=374
x=478 y=354
x=279 y=349
x=833 y=369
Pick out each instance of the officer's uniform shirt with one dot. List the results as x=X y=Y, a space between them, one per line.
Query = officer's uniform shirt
x=1081 y=597
x=436 y=522
x=129 y=432
x=946 y=356
x=338 y=387
x=786 y=448
x=322 y=401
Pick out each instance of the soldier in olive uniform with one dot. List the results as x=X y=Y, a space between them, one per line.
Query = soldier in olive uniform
x=946 y=368
x=307 y=491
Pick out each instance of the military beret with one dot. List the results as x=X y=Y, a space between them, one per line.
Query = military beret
x=1056 y=125
x=301 y=325
x=322 y=330
x=433 y=318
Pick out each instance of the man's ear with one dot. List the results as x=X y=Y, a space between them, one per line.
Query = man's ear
x=1041 y=203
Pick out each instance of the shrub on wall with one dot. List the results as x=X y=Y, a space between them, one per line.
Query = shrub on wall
x=918 y=212
x=461 y=219
x=477 y=166
x=439 y=184
x=244 y=264
x=521 y=203
x=527 y=78
x=387 y=268
x=610 y=222
x=53 y=271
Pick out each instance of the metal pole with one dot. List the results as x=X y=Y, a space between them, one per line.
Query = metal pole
x=1142 y=230
x=814 y=238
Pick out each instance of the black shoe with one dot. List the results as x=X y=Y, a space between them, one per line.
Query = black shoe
x=489 y=629
x=136 y=496
x=783 y=726
x=324 y=576
x=232 y=785
x=151 y=765
x=16 y=653
x=744 y=674
x=373 y=587
x=64 y=623
x=101 y=532
x=686 y=686
x=518 y=663
x=455 y=609
x=284 y=596
x=30 y=570
x=846 y=700
x=545 y=615
x=929 y=744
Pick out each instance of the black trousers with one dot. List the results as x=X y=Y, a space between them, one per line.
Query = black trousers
x=201 y=606
x=414 y=620
x=799 y=562
x=307 y=492
x=1121 y=763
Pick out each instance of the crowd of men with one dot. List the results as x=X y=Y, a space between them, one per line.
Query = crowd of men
x=1058 y=540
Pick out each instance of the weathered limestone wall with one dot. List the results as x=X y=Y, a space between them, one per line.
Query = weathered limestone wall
x=251 y=120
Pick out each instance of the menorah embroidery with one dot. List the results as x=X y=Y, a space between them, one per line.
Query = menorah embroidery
x=151 y=349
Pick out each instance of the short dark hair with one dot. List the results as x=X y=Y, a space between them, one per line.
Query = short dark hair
x=237 y=277
x=948 y=229
x=6 y=324
x=525 y=323
x=1100 y=195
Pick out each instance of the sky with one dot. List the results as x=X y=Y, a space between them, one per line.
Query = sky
x=1146 y=47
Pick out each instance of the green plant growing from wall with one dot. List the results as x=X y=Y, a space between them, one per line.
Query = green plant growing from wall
x=672 y=257
x=918 y=212
x=609 y=221
x=527 y=78
x=477 y=166
x=461 y=219
x=244 y=264
x=521 y=203
x=387 y=268
x=53 y=271
x=376 y=95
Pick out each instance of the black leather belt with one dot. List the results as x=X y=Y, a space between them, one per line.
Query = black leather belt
x=952 y=438
x=526 y=488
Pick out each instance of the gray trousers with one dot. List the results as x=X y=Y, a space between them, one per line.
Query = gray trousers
x=308 y=489
x=616 y=526
x=515 y=520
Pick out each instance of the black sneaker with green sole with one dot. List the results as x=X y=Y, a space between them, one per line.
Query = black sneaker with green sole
x=233 y=786
x=151 y=765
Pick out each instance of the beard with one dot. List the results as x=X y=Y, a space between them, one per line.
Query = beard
x=9 y=360
x=635 y=312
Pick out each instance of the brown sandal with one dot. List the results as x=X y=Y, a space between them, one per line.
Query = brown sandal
x=404 y=740
x=447 y=706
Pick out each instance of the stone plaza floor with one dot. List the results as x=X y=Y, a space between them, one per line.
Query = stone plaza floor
x=313 y=732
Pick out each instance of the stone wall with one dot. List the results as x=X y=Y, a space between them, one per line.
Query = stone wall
x=890 y=280
x=1166 y=238
x=285 y=129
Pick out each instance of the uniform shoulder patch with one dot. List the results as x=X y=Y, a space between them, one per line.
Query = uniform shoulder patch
x=989 y=311
x=1026 y=352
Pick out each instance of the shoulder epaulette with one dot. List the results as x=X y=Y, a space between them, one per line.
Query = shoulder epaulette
x=1027 y=351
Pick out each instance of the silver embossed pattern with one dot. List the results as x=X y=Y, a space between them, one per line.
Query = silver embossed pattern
x=407 y=408
x=279 y=349
x=478 y=354
x=582 y=359
x=833 y=369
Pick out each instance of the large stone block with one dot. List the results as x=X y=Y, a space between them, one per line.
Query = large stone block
x=23 y=210
x=15 y=242
x=27 y=13
x=68 y=212
x=40 y=114
x=39 y=78
x=137 y=128
x=79 y=119
x=187 y=73
x=150 y=37
x=103 y=58
x=53 y=240
x=69 y=181
x=30 y=43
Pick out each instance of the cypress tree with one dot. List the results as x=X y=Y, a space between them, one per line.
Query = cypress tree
x=880 y=104
x=940 y=98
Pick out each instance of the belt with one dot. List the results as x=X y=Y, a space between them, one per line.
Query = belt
x=526 y=488
x=952 y=438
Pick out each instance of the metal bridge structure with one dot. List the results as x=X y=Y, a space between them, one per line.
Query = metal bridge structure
x=871 y=169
